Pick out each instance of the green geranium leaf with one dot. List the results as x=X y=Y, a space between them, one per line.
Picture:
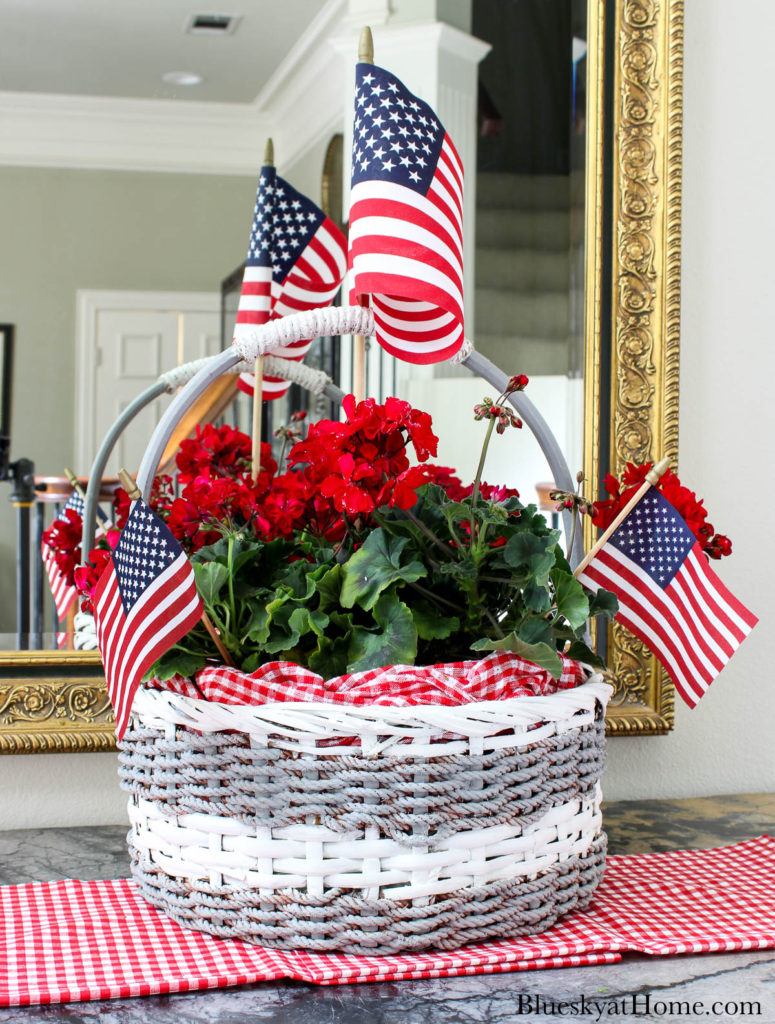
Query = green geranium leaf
x=176 y=662
x=210 y=578
x=456 y=511
x=330 y=656
x=212 y=552
x=527 y=551
x=328 y=587
x=257 y=626
x=300 y=579
x=536 y=598
x=463 y=571
x=304 y=621
x=579 y=651
x=252 y=662
x=373 y=567
x=572 y=602
x=603 y=602
x=394 y=644
x=540 y=654
x=285 y=625
x=537 y=631
x=430 y=623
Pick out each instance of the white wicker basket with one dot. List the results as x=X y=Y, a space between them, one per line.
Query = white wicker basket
x=364 y=829
x=406 y=828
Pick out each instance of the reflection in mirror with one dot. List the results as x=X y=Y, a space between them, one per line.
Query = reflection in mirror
x=528 y=304
x=528 y=314
x=179 y=229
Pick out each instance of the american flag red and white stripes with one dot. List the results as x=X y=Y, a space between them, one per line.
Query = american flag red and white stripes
x=145 y=600
x=406 y=220
x=669 y=596
x=63 y=591
x=297 y=258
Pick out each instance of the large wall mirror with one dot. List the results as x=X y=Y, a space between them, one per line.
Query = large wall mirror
x=578 y=243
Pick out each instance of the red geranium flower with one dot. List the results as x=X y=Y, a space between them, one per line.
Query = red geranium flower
x=681 y=498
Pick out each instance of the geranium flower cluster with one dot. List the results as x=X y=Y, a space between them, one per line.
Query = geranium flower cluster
x=686 y=502
x=338 y=476
x=363 y=463
x=63 y=538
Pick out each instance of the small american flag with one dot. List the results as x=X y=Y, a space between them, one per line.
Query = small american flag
x=669 y=596
x=145 y=600
x=406 y=220
x=297 y=259
x=63 y=592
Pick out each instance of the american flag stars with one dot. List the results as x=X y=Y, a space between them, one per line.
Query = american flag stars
x=655 y=537
x=143 y=552
x=396 y=137
x=284 y=222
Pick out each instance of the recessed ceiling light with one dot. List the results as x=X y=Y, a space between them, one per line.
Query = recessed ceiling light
x=182 y=78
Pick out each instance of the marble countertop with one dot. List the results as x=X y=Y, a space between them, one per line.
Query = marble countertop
x=633 y=827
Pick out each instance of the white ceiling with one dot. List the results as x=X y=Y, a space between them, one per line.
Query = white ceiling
x=121 y=48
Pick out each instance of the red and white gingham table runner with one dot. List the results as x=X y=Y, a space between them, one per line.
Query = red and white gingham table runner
x=75 y=940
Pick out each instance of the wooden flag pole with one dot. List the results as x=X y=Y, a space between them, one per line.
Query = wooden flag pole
x=133 y=491
x=258 y=370
x=365 y=56
x=652 y=478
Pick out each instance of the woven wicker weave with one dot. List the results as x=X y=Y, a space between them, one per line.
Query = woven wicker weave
x=364 y=829
x=408 y=828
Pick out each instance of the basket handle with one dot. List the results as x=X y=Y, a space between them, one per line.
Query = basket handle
x=338 y=320
x=316 y=381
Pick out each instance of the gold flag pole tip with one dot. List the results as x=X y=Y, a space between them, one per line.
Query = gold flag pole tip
x=657 y=471
x=269 y=154
x=366 y=46
x=129 y=485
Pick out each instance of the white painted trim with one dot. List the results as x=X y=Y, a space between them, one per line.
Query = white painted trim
x=306 y=101
x=42 y=130
x=305 y=49
x=422 y=39
x=90 y=302
x=299 y=106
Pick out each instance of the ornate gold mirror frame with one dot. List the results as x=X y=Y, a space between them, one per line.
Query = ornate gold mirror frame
x=633 y=214
x=56 y=701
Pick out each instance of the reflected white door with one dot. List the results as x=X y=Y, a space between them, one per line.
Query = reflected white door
x=125 y=340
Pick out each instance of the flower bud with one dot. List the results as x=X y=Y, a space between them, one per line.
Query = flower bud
x=517 y=383
x=580 y=476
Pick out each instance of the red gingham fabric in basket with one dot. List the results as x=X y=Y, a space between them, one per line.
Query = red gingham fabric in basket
x=495 y=677
x=96 y=940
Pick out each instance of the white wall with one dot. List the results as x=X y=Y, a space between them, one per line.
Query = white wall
x=727 y=364
x=726 y=421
